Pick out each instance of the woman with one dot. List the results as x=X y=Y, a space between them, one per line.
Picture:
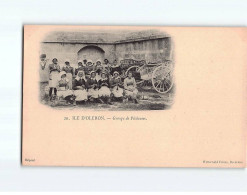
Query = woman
x=106 y=67
x=98 y=69
x=104 y=91
x=80 y=88
x=54 y=69
x=130 y=87
x=43 y=71
x=63 y=90
x=117 y=87
x=69 y=72
x=92 y=86
x=115 y=68
x=81 y=67
x=89 y=68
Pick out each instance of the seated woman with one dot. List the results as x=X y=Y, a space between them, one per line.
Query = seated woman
x=92 y=86
x=63 y=90
x=80 y=89
x=69 y=72
x=104 y=91
x=117 y=87
x=130 y=87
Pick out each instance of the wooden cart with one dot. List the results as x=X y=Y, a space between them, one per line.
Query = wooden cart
x=160 y=75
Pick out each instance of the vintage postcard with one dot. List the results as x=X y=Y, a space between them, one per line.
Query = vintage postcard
x=134 y=96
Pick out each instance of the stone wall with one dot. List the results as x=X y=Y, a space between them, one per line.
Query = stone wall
x=63 y=51
x=156 y=50
x=151 y=50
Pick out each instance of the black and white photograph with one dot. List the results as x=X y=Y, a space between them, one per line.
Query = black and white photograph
x=107 y=69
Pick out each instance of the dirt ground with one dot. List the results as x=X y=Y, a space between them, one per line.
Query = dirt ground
x=148 y=99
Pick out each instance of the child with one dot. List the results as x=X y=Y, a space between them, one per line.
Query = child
x=117 y=88
x=130 y=87
x=69 y=72
x=104 y=91
x=92 y=85
x=80 y=91
x=63 y=88
x=54 y=69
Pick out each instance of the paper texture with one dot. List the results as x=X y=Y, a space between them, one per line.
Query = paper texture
x=204 y=127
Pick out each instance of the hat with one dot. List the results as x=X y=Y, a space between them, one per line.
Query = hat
x=79 y=61
x=98 y=61
x=54 y=59
x=92 y=72
x=116 y=72
x=43 y=56
x=90 y=61
x=62 y=73
x=67 y=60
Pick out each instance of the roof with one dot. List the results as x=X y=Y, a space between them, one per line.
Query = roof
x=103 y=37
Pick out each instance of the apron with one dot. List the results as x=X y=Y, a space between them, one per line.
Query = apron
x=104 y=91
x=117 y=91
x=80 y=95
x=54 y=76
x=69 y=77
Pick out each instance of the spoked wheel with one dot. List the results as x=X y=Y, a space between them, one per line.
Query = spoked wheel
x=136 y=74
x=162 y=79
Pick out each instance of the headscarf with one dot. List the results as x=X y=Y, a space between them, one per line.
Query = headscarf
x=104 y=74
x=99 y=61
x=61 y=74
x=88 y=61
x=116 y=72
x=80 y=61
x=83 y=76
x=92 y=72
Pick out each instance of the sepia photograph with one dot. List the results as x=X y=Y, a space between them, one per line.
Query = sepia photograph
x=107 y=70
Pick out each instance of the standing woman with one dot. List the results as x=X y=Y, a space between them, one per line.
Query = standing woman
x=92 y=85
x=80 y=67
x=80 y=88
x=89 y=68
x=43 y=71
x=104 y=91
x=54 y=69
x=98 y=69
x=115 y=67
x=117 y=87
x=106 y=67
x=69 y=72
x=130 y=87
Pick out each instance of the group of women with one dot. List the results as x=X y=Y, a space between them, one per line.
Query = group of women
x=99 y=82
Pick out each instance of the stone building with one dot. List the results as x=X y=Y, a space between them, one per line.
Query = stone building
x=150 y=45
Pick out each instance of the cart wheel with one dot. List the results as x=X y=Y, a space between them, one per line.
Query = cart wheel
x=162 y=79
x=136 y=73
